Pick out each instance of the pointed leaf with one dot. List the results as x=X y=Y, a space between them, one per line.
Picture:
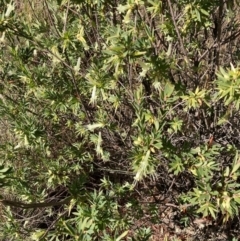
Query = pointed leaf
x=122 y=235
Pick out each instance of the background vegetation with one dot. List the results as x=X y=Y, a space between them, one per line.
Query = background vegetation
x=119 y=119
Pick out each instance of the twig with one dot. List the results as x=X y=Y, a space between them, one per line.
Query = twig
x=176 y=28
x=52 y=224
x=74 y=82
x=11 y=203
x=219 y=31
x=213 y=45
x=65 y=21
x=30 y=4
x=51 y=20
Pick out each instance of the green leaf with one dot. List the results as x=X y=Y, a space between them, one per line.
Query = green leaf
x=212 y=211
x=77 y=67
x=235 y=167
x=123 y=8
x=37 y=235
x=69 y=228
x=10 y=8
x=237 y=199
x=203 y=11
x=168 y=90
x=92 y=127
x=99 y=149
x=143 y=167
x=198 y=15
x=139 y=53
x=226 y=173
x=127 y=16
x=122 y=235
x=156 y=123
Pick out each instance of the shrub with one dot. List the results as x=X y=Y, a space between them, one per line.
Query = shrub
x=98 y=97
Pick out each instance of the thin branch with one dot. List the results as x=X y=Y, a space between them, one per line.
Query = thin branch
x=219 y=31
x=74 y=82
x=51 y=20
x=30 y=4
x=213 y=45
x=65 y=21
x=231 y=37
x=12 y=203
x=176 y=29
x=52 y=224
